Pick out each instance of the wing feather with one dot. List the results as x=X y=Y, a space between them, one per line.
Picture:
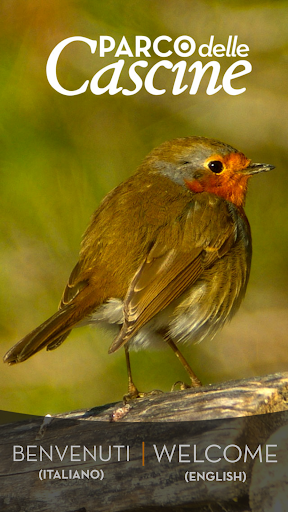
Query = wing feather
x=169 y=270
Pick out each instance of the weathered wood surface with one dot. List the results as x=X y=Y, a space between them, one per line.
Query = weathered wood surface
x=233 y=413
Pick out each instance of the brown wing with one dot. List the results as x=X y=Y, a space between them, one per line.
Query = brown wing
x=168 y=269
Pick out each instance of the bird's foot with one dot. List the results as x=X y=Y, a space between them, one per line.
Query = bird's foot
x=133 y=394
x=182 y=385
x=195 y=383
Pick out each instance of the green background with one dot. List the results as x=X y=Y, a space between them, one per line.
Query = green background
x=61 y=155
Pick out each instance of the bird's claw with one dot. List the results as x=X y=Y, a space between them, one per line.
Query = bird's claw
x=183 y=385
x=134 y=394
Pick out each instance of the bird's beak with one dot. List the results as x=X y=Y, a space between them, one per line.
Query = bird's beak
x=256 y=168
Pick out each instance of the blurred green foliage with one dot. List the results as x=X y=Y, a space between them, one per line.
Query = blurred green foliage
x=60 y=155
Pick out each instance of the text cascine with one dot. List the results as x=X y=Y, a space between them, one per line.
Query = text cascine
x=186 y=76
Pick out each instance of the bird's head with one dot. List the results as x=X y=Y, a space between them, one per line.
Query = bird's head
x=205 y=165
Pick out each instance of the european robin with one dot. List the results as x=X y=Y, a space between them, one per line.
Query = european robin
x=166 y=257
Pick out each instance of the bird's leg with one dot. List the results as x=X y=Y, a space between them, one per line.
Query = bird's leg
x=132 y=390
x=195 y=382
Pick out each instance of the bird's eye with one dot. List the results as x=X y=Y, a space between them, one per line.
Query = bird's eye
x=215 y=166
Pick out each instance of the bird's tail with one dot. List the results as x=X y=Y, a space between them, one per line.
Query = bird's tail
x=50 y=334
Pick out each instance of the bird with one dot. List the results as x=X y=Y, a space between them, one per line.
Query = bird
x=166 y=257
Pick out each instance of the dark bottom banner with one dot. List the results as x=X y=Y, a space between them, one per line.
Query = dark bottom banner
x=83 y=465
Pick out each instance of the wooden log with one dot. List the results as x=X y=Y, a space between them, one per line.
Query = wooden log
x=171 y=450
